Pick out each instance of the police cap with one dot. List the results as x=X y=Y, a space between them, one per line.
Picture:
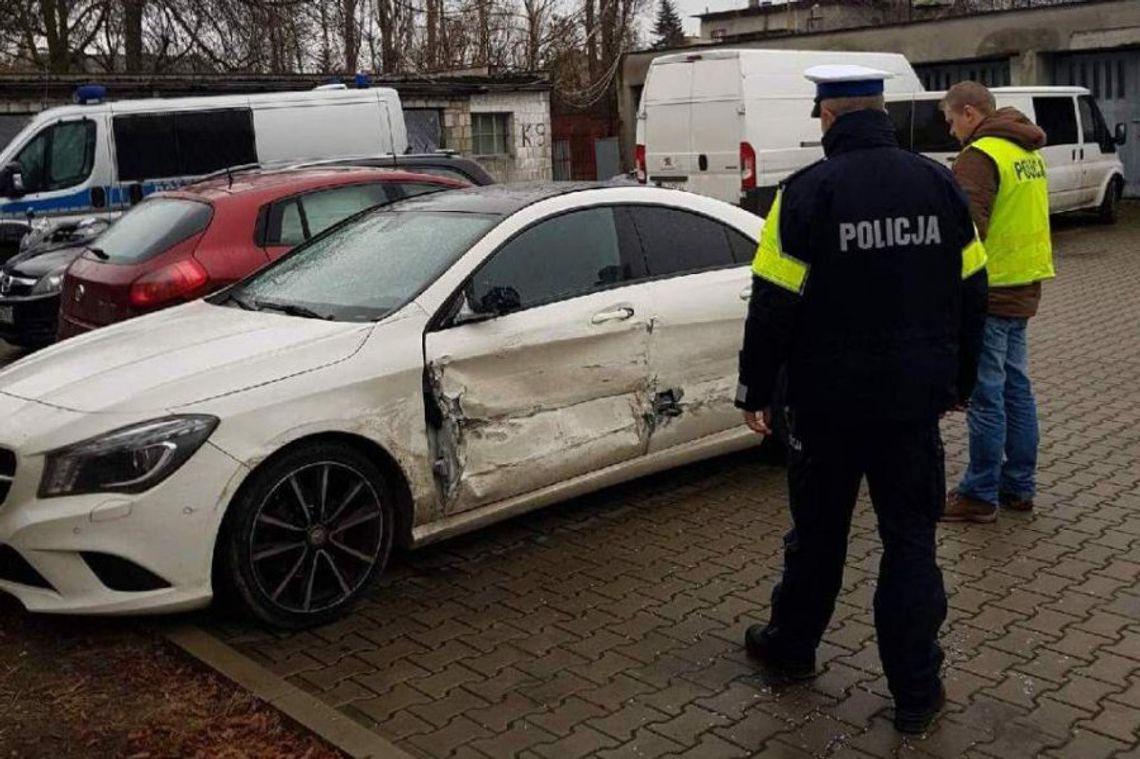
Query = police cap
x=845 y=81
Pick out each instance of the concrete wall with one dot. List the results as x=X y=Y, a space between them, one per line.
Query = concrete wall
x=531 y=145
x=1026 y=37
x=778 y=18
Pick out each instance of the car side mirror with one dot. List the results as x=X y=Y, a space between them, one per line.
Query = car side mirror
x=12 y=180
x=467 y=314
x=1120 y=136
x=496 y=301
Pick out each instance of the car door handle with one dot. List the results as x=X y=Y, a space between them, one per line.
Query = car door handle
x=616 y=315
x=746 y=293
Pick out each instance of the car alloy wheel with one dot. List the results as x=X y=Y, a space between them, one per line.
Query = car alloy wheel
x=316 y=537
x=305 y=535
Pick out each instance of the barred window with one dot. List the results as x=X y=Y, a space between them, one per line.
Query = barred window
x=491 y=133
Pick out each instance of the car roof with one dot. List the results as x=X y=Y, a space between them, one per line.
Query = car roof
x=262 y=185
x=497 y=199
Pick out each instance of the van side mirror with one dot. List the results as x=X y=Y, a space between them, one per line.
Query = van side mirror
x=1120 y=135
x=12 y=180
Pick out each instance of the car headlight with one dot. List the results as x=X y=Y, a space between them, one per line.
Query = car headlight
x=128 y=460
x=50 y=283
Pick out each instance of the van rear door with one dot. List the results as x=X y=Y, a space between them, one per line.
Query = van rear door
x=717 y=128
x=668 y=123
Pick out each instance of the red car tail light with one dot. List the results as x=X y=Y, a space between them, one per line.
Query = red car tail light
x=182 y=279
x=639 y=159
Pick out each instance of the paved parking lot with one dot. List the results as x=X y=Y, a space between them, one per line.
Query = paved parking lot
x=611 y=625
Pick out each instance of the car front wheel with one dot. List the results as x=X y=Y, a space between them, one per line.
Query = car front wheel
x=306 y=535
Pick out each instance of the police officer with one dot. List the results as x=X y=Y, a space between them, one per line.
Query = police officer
x=869 y=285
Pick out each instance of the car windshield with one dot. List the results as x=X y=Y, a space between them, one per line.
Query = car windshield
x=367 y=268
x=151 y=228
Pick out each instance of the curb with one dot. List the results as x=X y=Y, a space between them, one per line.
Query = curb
x=326 y=722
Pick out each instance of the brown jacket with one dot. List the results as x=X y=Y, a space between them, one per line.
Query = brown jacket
x=979 y=177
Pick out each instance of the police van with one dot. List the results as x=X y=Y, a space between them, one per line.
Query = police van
x=98 y=157
x=1082 y=165
x=732 y=124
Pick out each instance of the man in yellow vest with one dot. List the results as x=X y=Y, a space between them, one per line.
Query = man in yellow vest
x=1003 y=175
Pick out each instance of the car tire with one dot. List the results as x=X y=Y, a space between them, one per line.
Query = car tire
x=1109 y=210
x=305 y=536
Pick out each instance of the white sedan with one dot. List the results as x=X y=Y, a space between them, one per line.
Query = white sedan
x=426 y=369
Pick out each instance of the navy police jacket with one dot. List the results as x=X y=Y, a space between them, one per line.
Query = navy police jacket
x=869 y=285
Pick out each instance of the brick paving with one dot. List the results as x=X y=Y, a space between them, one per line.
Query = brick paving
x=611 y=626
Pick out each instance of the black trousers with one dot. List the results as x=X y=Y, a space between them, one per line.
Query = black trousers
x=904 y=467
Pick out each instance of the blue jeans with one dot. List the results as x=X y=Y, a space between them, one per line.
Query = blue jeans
x=1002 y=417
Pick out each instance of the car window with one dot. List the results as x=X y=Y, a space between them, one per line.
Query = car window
x=412 y=189
x=743 y=249
x=212 y=140
x=152 y=227
x=10 y=126
x=677 y=242
x=145 y=146
x=370 y=266
x=72 y=153
x=558 y=258
x=285 y=225
x=59 y=157
x=1093 y=128
x=930 y=132
x=327 y=207
x=900 y=113
x=1058 y=118
x=33 y=162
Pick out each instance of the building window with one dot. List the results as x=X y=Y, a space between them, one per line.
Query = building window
x=491 y=133
x=719 y=34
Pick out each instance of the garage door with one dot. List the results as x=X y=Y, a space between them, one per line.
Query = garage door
x=1114 y=80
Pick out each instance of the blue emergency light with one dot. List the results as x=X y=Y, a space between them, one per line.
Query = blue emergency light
x=90 y=93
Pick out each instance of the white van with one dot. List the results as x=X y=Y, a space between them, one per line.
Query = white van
x=1084 y=171
x=732 y=124
x=98 y=157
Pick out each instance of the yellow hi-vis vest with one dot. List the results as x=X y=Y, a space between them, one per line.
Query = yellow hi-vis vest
x=1018 y=244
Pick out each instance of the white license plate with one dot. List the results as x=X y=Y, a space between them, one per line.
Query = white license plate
x=672 y=185
x=6 y=315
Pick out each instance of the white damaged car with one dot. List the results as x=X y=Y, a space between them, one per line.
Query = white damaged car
x=418 y=372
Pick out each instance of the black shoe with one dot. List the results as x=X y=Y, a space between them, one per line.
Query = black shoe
x=761 y=647
x=911 y=721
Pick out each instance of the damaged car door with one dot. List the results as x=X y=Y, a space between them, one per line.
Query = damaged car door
x=540 y=373
x=701 y=283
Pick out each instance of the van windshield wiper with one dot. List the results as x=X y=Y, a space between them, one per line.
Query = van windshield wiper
x=98 y=253
x=292 y=309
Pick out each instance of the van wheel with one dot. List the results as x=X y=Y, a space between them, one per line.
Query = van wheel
x=1109 y=210
x=305 y=537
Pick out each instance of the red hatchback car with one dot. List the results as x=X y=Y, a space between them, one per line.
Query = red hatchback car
x=180 y=245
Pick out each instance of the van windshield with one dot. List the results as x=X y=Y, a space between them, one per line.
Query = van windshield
x=10 y=126
x=152 y=227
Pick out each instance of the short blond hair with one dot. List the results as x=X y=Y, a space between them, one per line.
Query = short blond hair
x=973 y=94
x=841 y=106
